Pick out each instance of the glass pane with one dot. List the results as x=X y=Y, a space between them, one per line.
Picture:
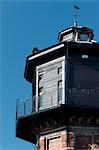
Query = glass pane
x=60 y=84
x=59 y=94
x=40 y=96
x=84 y=37
x=40 y=100
x=60 y=90
x=59 y=70
x=40 y=76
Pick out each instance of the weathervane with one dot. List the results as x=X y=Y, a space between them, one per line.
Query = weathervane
x=76 y=8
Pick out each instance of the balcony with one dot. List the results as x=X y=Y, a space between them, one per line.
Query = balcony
x=24 y=107
x=46 y=100
x=76 y=97
x=42 y=118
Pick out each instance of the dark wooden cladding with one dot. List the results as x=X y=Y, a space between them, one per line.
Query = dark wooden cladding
x=73 y=49
x=48 y=120
x=83 y=84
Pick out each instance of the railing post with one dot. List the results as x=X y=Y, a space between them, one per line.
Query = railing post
x=24 y=107
x=17 y=108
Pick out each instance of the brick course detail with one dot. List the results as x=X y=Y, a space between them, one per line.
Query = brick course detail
x=64 y=140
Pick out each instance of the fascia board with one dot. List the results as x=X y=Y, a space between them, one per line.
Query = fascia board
x=47 y=51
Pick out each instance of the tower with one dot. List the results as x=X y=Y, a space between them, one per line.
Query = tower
x=64 y=109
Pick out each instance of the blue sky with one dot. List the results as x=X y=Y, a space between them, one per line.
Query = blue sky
x=24 y=25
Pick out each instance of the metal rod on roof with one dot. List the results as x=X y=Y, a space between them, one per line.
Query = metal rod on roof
x=76 y=8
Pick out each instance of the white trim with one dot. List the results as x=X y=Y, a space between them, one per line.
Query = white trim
x=63 y=132
x=37 y=90
x=42 y=138
x=84 y=42
x=62 y=32
x=53 y=136
x=76 y=37
x=93 y=41
x=67 y=30
x=85 y=56
x=60 y=59
x=63 y=81
x=47 y=51
x=51 y=62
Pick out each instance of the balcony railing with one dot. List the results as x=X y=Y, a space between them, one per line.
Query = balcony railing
x=24 y=107
x=76 y=97
x=45 y=100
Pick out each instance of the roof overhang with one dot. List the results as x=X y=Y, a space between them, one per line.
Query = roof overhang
x=28 y=127
x=57 y=51
x=47 y=51
x=74 y=29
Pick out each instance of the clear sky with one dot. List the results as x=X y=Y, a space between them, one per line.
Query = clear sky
x=23 y=25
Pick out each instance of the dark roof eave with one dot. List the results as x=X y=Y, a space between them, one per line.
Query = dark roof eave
x=73 y=46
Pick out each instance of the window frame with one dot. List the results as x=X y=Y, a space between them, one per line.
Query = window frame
x=59 y=92
x=40 y=67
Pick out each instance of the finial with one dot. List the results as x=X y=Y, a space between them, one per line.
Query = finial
x=76 y=8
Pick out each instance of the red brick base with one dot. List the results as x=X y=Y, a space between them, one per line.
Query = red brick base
x=64 y=140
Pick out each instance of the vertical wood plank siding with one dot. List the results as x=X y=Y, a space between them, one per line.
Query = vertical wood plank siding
x=83 y=83
x=49 y=82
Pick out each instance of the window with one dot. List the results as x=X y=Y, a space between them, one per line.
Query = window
x=83 y=37
x=40 y=96
x=40 y=76
x=40 y=90
x=54 y=142
x=59 y=70
x=59 y=91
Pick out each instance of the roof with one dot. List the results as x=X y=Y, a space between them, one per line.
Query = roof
x=74 y=29
x=57 y=51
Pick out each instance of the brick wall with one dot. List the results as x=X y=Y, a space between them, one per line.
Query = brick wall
x=63 y=140
x=42 y=143
x=83 y=141
x=54 y=143
x=70 y=140
x=57 y=141
x=96 y=139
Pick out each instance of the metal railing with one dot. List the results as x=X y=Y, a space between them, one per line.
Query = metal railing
x=24 y=107
x=46 y=99
x=76 y=97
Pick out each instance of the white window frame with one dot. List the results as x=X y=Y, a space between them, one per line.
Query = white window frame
x=52 y=136
x=63 y=78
